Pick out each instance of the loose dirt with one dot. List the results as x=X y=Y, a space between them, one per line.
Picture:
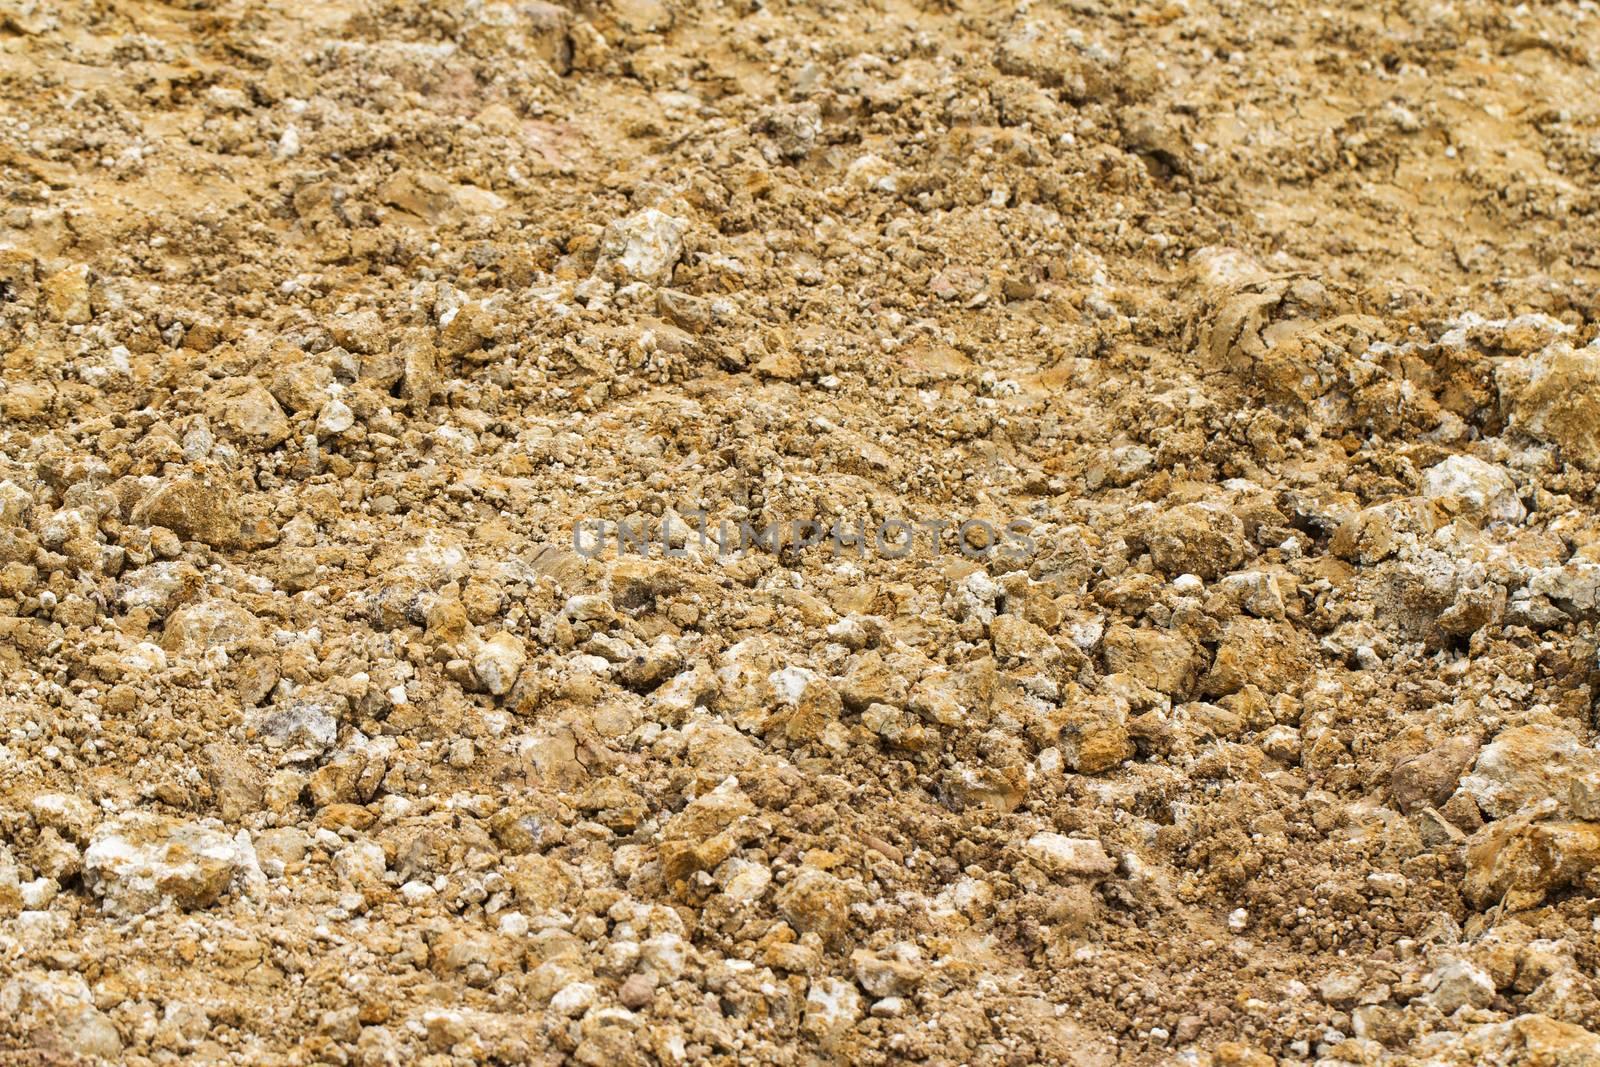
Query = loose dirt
x=1261 y=339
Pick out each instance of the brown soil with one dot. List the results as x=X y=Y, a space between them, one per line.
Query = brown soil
x=1263 y=334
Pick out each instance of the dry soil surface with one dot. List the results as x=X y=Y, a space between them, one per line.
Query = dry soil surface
x=1261 y=337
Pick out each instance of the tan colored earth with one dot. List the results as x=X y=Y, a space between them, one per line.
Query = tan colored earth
x=1261 y=337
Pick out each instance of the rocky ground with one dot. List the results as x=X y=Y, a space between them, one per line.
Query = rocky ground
x=1266 y=336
